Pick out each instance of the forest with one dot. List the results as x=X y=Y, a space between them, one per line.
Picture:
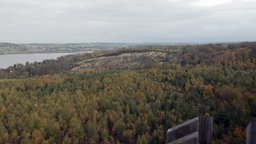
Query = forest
x=129 y=95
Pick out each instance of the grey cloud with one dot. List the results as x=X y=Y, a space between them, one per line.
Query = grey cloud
x=125 y=21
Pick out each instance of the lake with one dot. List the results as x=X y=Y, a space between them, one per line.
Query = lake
x=11 y=59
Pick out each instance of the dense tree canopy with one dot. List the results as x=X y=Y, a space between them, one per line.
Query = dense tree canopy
x=132 y=105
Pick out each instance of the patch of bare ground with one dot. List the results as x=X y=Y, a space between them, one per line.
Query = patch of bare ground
x=134 y=60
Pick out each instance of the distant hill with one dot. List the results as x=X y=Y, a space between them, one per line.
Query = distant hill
x=133 y=57
x=7 y=48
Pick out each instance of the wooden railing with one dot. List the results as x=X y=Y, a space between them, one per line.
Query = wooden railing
x=194 y=131
x=199 y=131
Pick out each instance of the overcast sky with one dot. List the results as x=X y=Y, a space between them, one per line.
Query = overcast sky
x=27 y=21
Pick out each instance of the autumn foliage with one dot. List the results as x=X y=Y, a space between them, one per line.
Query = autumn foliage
x=131 y=105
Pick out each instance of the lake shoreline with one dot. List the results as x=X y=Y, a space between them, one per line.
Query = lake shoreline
x=8 y=60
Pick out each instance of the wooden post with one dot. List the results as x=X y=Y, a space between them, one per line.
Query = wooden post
x=205 y=130
x=251 y=133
